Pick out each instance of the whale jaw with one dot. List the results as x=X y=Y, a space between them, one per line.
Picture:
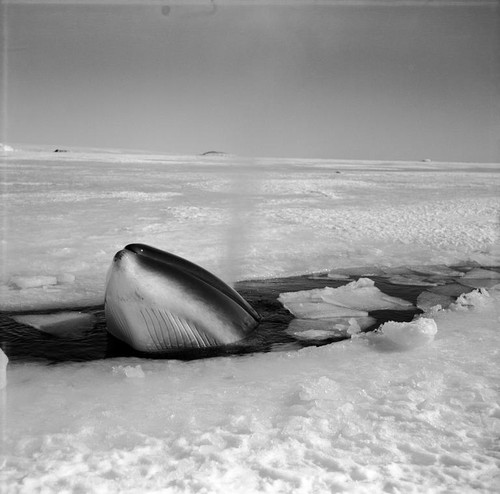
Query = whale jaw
x=158 y=303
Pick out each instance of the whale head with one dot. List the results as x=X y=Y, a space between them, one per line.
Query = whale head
x=157 y=302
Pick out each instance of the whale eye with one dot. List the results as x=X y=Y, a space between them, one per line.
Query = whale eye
x=135 y=248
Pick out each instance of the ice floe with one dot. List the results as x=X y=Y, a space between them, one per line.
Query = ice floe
x=354 y=299
x=410 y=280
x=451 y=290
x=67 y=324
x=426 y=300
x=481 y=278
x=323 y=329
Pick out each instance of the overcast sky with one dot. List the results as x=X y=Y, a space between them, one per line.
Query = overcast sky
x=298 y=79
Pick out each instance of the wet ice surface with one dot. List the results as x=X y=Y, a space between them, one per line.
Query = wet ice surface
x=351 y=416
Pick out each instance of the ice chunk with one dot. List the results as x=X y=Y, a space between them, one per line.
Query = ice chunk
x=363 y=295
x=477 y=298
x=338 y=276
x=352 y=300
x=319 y=310
x=426 y=300
x=404 y=335
x=32 y=281
x=3 y=369
x=319 y=329
x=356 y=271
x=437 y=270
x=480 y=278
x=411 y=280
x=66 y=324
x=453 y=290
x=482 y=274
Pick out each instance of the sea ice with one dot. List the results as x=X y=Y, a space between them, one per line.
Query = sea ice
x=426 y=300
x=483 y=274
x=338 y=276
x=306 y=329
x=403 y=335
x=3 y=369
x=362 y=294
x=359 y=271
x=475 y=299
x=67 y=324
x=355 y=299
x=411 y=280
x=437 y=270
x=481 y=278
x=32 y=281
x=452 y=290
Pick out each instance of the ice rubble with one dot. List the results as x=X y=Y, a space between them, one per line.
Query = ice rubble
x=403 y=335
x=354 y=299
x=325 y=313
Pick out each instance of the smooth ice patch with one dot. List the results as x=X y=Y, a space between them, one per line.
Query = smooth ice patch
x=404 y=335
x=66 y=324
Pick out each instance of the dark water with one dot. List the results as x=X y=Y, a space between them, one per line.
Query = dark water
x=24 y=343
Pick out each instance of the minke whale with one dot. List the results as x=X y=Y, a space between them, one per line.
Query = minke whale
x=157 y=302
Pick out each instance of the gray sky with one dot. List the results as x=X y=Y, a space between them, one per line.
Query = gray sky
x=366 y=80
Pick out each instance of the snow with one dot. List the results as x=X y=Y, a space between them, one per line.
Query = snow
x=345 y=417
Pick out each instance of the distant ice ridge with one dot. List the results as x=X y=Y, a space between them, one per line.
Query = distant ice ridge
x=6 y=148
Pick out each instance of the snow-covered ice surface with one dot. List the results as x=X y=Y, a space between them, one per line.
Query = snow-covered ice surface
x=353 y=416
